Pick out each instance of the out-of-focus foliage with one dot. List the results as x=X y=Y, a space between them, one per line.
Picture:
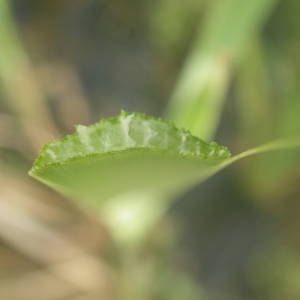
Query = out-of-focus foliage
x=275 y=271
x=67 y=62
x=268 y=93
x=197 y=99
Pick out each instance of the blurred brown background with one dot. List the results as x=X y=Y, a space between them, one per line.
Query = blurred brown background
x=73 y=62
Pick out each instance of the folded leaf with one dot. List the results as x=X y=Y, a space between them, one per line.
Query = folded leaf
x=127 y=164
x=131 y=166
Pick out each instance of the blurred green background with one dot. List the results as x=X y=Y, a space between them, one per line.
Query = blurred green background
x=228 y=70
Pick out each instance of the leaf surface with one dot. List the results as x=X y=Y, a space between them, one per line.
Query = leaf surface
x=127 y=165
x=130 y=167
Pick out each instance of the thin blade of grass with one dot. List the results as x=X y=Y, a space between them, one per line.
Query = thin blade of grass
x=197 y=100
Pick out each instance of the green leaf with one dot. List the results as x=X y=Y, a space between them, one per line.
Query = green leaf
x=128 y=166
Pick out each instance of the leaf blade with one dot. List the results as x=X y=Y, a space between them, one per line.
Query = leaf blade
x=130 y=142
x=133 y=182
x=127 y=168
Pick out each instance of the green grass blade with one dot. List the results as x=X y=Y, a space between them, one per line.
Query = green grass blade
x=198 y=98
